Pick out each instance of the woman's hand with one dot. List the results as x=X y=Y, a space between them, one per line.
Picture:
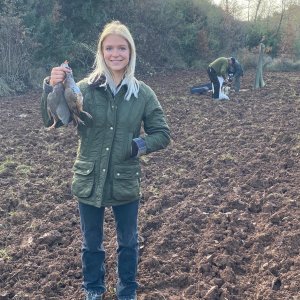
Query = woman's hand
x=58 y=74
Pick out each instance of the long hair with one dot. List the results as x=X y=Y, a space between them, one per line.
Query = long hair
x=100 y=67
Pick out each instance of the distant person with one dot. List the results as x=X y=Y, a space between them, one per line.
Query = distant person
x=235 y=72
x=107 y=171
x=218 y=72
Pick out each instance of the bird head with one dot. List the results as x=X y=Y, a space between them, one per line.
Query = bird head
x=65 y=64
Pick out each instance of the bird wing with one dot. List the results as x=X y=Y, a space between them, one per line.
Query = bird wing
x=57 y=105
x=63 y=111
x=71 y=98
x=52 y=104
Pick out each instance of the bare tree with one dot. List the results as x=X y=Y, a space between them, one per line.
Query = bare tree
x=232 y=8
x=283 y=8
x=248 y=10
x=258 y=4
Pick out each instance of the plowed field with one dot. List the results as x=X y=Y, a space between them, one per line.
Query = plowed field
x=220 y=212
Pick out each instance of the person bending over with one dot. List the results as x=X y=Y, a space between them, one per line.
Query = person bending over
x=218 y=72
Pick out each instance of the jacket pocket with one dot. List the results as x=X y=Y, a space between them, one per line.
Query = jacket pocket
x=83 y=179
x=126 y=182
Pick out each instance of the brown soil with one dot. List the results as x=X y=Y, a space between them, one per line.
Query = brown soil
x=220 y=207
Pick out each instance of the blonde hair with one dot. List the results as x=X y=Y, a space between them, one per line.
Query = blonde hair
x=100 y=67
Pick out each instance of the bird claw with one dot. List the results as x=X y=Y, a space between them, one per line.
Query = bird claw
x=52 y=127
x=77 y=122
x=87 y=114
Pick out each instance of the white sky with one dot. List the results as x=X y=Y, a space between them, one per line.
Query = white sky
x=243 y=5
x=244 y=2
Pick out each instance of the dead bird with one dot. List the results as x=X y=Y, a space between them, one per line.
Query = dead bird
x=73 y=97
x=57 y=106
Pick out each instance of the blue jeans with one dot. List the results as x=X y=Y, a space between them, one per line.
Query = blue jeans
x=93 y=253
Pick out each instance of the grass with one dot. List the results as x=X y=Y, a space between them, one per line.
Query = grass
x=2 y=168
x=227 y=157
x=11 y=164
x=4 y=254
x=12 y=213
x=23 y=169
x=5 y=165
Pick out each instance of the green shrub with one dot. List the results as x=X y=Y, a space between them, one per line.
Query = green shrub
x=15 y=53
x=5 y=90
x=283 y=65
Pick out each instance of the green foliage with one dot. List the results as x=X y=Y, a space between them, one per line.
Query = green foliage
x=284 y=65
x=170 y=30
x=6 y=165
x=15 y=50
x=4 y=254
x=297 y=48
x=168 y=34
x=272 y=39
x=23 y=169
x=247 y=58
x=54 y=43
x=254 y=35
x=5 y=90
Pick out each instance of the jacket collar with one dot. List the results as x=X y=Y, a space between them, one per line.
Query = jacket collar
x=98 y=82
x=103 y=82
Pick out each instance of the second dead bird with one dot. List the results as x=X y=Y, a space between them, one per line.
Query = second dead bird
x=73 y=97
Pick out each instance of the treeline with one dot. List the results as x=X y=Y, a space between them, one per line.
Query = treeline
x=36 y=35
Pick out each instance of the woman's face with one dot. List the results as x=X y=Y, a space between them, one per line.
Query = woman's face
x=116 y=54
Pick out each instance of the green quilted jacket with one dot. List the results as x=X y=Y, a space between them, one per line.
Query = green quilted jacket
x=105 y=173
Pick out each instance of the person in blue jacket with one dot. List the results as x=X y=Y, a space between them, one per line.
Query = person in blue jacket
x=235 y=72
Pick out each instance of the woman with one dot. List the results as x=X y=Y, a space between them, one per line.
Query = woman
x=107 y=170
